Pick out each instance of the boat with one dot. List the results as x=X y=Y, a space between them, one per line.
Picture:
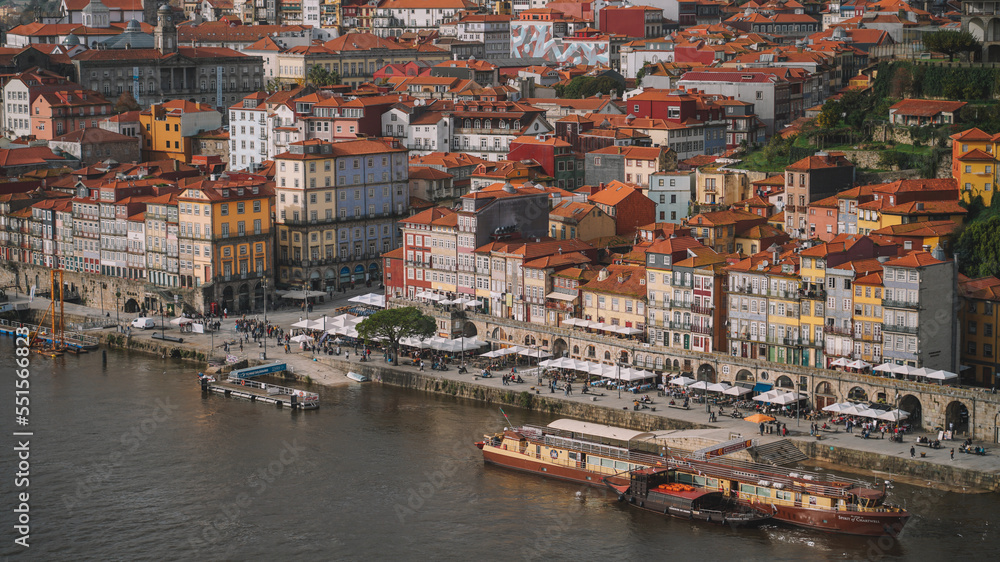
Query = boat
x=657 y=490
x=357 y=377
x=598 y=455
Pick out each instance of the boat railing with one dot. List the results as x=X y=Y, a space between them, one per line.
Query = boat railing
x=276 y=389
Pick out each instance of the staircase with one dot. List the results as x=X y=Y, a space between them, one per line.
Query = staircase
x=780 y=452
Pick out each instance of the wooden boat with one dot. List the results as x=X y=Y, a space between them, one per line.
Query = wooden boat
x=357 y=377
x=656 y=489
x=590 y=453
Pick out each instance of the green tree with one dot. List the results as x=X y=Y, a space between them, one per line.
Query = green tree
x=829 y=116
x=319 y=76
x=587 y=86
x=393 y=324
x=951 y=43
x=978 y=247
x=126 y=103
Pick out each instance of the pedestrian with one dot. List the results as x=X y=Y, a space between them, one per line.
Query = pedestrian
x=913 y=452
x=569 y=389
x=762 y=428
x=952 y=453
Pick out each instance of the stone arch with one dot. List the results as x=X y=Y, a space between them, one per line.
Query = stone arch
x=992 y=53
x=258 y=297
x=911 y=405
x=529 y=340
x=677 y=365
x=857 y=394
x=227 y=299
x=824 y=395
x=706 y=372
x=784 y=381
x=623 y=356
x=607 y=356
x=956 y=416
x=993 y=29
x=470 y=330
x=559 y=347
x=374 y=271
x=576 y=350
x=359 y=273
x=745 y=376
x=659 y=363
x=131 y=306
x=499 y=334
x=244 y=297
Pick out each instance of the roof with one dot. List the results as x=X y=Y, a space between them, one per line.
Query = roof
x=925 y=228
x=614 y=193
x=925 y=108
x=984 y=288
x=628 y=280
x=428 y=216
x=572 y=209
x=914 y=259
x=600 y=430
x=94 y=135
x=819 y=162
x=425 y=173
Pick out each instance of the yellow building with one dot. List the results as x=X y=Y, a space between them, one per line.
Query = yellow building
x=784 y=337
x=973 y=164
x=812 y=305
x=868 y=318
x=225 y=237
x=617 y=296
x=979 y=318
x=719 y=188
x=879 y=214
x=167 y=129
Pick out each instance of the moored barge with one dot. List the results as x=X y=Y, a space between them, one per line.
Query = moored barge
x=593 y=454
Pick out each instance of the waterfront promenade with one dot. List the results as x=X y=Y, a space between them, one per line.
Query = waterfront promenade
x=325 y=371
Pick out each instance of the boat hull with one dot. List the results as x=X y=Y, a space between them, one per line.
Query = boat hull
x=858 y=523
x=525 y=463
x=732 y=519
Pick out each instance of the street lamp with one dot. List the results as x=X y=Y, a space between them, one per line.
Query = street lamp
x=263 y=354
x=118 y=297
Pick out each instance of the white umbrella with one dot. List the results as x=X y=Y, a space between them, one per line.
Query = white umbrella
x=472 y=343
x=320 y=324
x=737 y=391
x=181 y=320
x=884 y=368
x=718 y=387
x=570 y=321
x=853 y=409
x=941 y=375
x=548 y=363
x=766 y=396
x=473 y=303
x=301 y=324
x=681 y=381
x=837 y=407
x=867 y=412
x=840 y=362
x=894 y=415
x=859 y=364
x=700 y=385
x=787 y=398
x=302 y=338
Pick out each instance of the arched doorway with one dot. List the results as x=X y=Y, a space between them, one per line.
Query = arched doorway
x=824 y=395
x=559 y=347
x=911 y=405
x=131 y=306
x=359 y=273
x=244 y=297
x=706 y=373
x=258 y=297
x=499 y=334
x=956 y=418
x=857 y=394
x=469 y=329
x=227 y=299
x=374 y=273
x=330 y=278
x=784 y=382
x=345 y=275
x=314 y=281
x=623 y=357
x=745 y=376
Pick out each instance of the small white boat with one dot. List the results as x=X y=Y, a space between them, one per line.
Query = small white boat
x=356 y=377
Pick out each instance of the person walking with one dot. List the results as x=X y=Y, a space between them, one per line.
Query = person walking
x=913 y=452
x=952 y=453
x=762 y=428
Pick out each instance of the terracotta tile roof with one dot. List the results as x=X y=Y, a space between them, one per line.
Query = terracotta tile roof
x=94 y=135
x=924 y=228
x=985 y=288
x=926 y=108
x=716 y=218
x=856 y=192
x=830 y=201
x=673 y=245
x=35 y=155
x=571 y=209
x=428 y=216
x=221 y=32
x=832 y=160
x=614 y=193
x=628 y=280
x=977 y=154
x=557 y=260
x=914 y=259
x=839 y=243
x=973 y=134
x=425 y=173
x=926 y=208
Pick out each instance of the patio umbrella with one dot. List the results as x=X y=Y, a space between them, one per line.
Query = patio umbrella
x=787 y=398
x=700 y=385
x=759 y=418
x=884 y=368
x=840 y=362
x=941 y=375
x=837 y=408
x=894 y=415
x=859 y=364
x=737 y=391
x=181 y=320
x=302 y=338
x=852 y=410
x=301 y=324
x=718 y=387
x=766 y=396
x=681 y=381
x=867 y=412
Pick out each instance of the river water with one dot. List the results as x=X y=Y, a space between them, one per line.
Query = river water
x=130 y=462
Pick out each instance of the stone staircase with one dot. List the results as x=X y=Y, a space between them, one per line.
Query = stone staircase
x=780 y=452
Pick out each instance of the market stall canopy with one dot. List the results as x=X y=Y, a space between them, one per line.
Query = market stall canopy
x=370 y=299
x=700 y=385
x=737 y=391
x=302 y=295
x=838 y=407
x=840 y=362
x=681 y=381
x=894 y=415
x=181 y=321
x=787 y=398
x=718 y=387
x=859 y=364
x=302 y=338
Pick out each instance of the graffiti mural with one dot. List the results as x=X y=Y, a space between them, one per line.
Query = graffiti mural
x=536 y=40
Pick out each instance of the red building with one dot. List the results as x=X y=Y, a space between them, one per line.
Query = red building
x=393 y=279
x=626 y=204
x=672 y=106
x=632 y=21
x=417 y=243
x=553 y=154
x=64 y=111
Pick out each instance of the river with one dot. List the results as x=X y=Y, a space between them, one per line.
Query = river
x=130 y=462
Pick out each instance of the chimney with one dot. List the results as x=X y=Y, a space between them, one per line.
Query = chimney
x=927 y=248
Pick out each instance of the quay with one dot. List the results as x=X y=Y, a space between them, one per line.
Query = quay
x=880 y=457
x=75 y=342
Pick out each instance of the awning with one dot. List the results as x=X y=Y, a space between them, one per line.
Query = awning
x=761 y=387
x=560 y=296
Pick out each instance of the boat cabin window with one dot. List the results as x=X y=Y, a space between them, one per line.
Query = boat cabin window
x=572 y=456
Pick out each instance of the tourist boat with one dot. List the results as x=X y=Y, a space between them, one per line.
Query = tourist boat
x=656 y=489
x=596 y=455
x=357 y=377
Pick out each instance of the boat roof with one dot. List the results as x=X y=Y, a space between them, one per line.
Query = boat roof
x=599 y=430
x=867 y=493
x=689 y=495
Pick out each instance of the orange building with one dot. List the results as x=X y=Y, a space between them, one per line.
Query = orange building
x=64 y=111
x=168 y=129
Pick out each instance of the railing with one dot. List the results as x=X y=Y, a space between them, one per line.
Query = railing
x=705 y=330
x=899 y=329
x=702 y=309
x=870 y=337
x=899 y=304
x=678 y=325
x=680 y=304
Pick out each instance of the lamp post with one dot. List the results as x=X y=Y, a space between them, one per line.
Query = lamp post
x=263 y=354
x=118 y=298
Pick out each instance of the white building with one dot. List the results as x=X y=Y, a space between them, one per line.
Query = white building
x=395 y=17
x=420 y=127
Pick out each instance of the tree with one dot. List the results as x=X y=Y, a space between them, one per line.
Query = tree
x=587 y=86
x=319 y=76
x=393 y=324
x=126 y=103
x=978 y=248
x=829 y=116
x=951 y=42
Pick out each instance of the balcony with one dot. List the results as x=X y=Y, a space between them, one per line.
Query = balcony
x=680 y=304
x=899 y=329
x=838 y=331
x=869 y=337
x=813 y=294
x=899 y=304
x=684 y=326
x=705 y=330
x=703 y=309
